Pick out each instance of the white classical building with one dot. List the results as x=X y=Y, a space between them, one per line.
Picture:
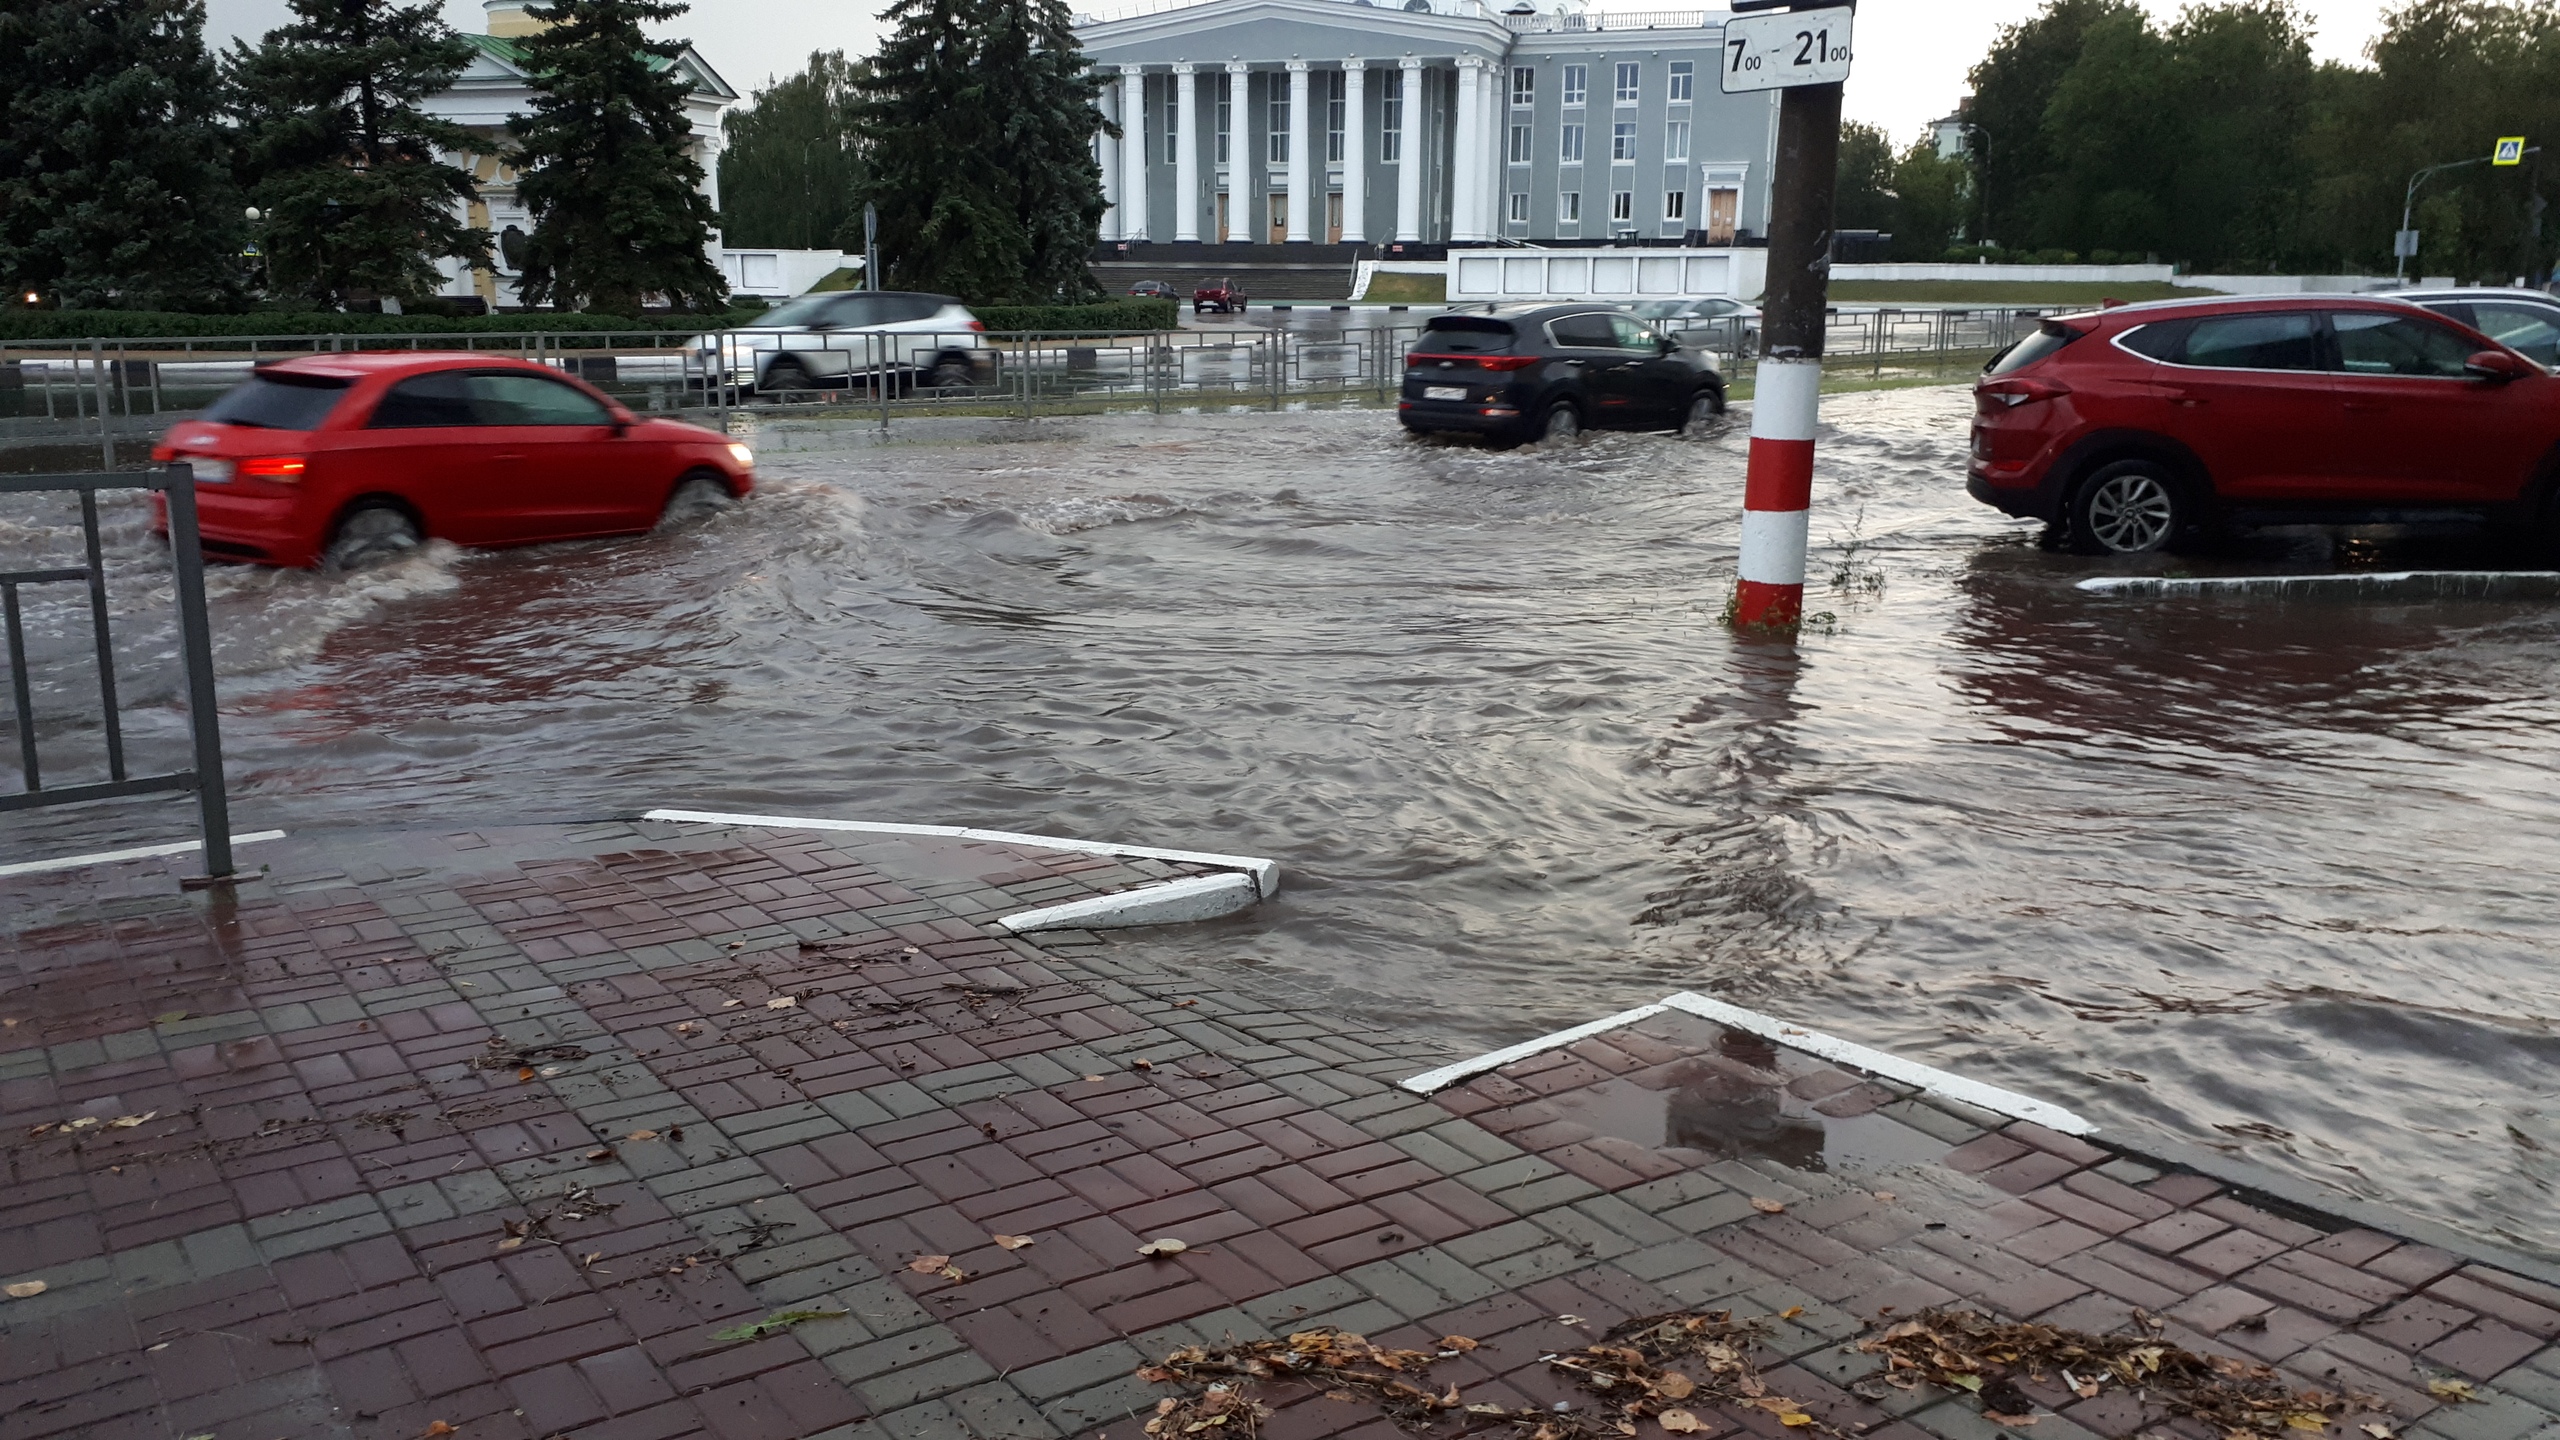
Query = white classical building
x=1344 y=121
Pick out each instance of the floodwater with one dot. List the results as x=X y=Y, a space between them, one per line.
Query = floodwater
x=2274 y=876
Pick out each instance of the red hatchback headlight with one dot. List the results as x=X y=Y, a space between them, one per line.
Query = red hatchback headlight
x=2009 y=394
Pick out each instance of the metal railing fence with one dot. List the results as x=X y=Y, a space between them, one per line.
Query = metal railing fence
x=118 y=395
x=176 y=484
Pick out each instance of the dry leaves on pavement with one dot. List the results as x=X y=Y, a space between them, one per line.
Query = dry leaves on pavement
x=1972 y=1351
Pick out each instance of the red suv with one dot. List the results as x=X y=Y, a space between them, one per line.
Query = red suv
x=2142 y=426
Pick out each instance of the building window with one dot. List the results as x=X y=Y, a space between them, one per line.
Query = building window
x=1172 y=126
x=1630 y=82
x=1524 y=85
x=1675 y=205
x=1569 y=207
x=1519 y=207
x=1391 y=119
x=1622 y=142
x=1520 y=142
x=1675 y=142
x=1333 y=117
x=1622 y=206
x=1276 y=111
x=1684 y=80
x=1570 y=151
x=1577 y=83
x=1226 y=115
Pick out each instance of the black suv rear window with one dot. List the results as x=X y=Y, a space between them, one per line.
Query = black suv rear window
x=279 y=401
x=2049 y=337
x=1466 y=335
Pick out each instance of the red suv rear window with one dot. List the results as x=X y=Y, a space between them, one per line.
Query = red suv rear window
x=2052 y=335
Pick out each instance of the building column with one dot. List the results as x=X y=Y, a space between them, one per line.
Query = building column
x=1242 y=162
x=1355 y=151
x=1466 y=177
x=1133 y=152
x=1493 y=167
x=1107 y=152
x=1409 y=164
x=1299 y=168
x=1186 y=163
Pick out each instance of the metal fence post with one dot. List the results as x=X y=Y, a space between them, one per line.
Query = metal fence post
x=106 y=422
x=195 y=633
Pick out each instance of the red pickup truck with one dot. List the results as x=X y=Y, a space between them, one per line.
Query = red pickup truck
x=1219 y=295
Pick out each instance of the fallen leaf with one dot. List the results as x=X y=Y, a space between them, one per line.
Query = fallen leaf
x=1681 y=1422
x=2457 y=1391
x=2377 y=1431
x=127 y=1122
x=732 y=1004
x=1178 y=1005
x=1456 y=1342
x=775 y=1324
x=952 y=1272
x=1142 y=1064
x=524 y=1073
x=1886 y=1196
x=1675 y=1386
x=2086 y=1389
x=1345 y=1396
x=81 y=1122
x=928 y=1264
x=601 y=1154
x=1093 y=1077
x=591 y=1257
x=550 y=1070
x=511 y=1242
x=2307 y=1420
x=641 y=1135
x=1011 y=1242
x=686 y=1027
x=439 y=1428
x=168 y=1017
x=2015 y=1422
x=781 y=1002
x=1164 y=1246
x=1791 y=1312
x=26 y=1289
x=1767 y=1206
x=1571 y=1320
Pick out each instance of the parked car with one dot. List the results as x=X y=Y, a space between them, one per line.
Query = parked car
x=2525 y=321
x=1533 y=372
x=1219 y=295
x=843 y=339
x=1153 y=290
x=342 y=459
x=2146 y=426
x=1712 y=323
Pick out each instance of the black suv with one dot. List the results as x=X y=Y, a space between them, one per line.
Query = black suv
x=1535 y=372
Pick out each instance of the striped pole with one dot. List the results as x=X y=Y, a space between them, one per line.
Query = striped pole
x=1777 y=494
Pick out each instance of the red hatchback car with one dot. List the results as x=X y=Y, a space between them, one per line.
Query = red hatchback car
x=341 y=459
x=2142 y=426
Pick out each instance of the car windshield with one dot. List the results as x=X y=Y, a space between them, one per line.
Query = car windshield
x=2049 y=337
x=1466 y=335
x=807 y=310
x=279 y=400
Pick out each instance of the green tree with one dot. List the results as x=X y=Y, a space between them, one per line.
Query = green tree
x=343 y=157
x=1864 y=197
x=1932 y=195
x=115 y=189
x=792 y=161
x=981 y=118
x=605 y=164
x=2013 y=87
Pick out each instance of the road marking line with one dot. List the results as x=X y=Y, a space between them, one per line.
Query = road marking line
x=2447 y=583
x=140 y=852
x=1265 y=873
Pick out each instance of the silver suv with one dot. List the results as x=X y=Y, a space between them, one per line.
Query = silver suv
x=844 y=338
x=2525 y=321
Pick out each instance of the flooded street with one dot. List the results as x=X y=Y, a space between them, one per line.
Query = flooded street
x=2272 y=876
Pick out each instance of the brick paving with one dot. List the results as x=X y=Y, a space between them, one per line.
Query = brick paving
x=698 y=1076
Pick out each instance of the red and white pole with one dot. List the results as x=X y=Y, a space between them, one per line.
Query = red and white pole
x=1777 y=494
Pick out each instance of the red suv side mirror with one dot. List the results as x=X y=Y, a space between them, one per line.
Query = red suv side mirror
x=2498 y=367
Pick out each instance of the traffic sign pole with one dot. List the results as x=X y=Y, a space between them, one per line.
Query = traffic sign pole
x=1777 y=492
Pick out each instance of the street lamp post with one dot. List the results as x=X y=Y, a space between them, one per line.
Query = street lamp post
x=2402 y=245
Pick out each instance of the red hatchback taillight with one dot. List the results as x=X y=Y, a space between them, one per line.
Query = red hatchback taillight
x=2008 y=394
x=286 y=469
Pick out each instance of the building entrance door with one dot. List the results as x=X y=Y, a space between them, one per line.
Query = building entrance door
x=1222 y=217
x=1722 y=208
x=1279 y=216
x=1333 y=218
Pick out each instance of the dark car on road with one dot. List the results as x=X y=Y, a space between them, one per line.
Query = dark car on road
x=1552 y=371
x=2147 y=426
x=1152 y=290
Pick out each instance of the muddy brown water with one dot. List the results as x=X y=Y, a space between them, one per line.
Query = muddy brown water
x=2274 y=876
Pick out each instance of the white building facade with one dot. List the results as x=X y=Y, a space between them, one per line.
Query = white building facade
x=1443 y=121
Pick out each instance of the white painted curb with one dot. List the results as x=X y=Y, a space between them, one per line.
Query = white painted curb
x=2412 y=584
x=139 y=852
x=1795 y=1037
x=1265 y=874
x=1200 y=897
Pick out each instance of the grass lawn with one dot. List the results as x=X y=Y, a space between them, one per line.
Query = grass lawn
x=1390 y=287
x=2004 y=292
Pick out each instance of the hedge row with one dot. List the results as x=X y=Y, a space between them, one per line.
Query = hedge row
x=141 y=324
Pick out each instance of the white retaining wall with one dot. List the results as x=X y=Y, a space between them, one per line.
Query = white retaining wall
x=2009 y=274
x=1605 y=274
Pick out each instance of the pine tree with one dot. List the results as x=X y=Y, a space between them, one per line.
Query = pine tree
x=115 y=189
x=343 y=155
x=605 y=164
x=980 y=117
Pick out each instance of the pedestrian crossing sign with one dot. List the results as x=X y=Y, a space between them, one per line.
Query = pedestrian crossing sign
x=2510 y=151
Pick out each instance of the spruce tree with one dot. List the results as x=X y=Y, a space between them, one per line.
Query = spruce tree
x=980 y=119
x=344 y=158
x=605 y=165
x=115 y=189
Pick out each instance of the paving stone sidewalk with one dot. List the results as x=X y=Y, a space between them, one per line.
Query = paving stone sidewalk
x=514 y=1131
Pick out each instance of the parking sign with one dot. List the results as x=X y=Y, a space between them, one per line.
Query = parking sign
x=1786 y=49
x=2510 y=151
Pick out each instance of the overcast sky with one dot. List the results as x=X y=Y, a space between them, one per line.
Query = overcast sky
x=1913 y=53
